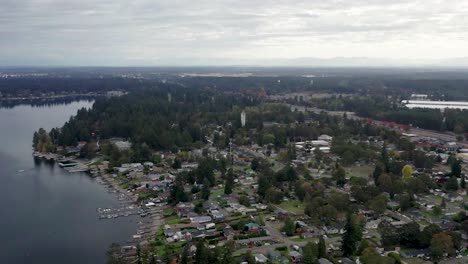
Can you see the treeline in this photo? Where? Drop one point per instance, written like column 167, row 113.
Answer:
column 39, row 86
column 381, row 108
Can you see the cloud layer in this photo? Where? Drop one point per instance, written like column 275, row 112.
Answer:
column 149, row 32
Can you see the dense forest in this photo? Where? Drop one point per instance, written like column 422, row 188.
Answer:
column 172, row 117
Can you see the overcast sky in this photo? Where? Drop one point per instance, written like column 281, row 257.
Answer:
column 162, row 32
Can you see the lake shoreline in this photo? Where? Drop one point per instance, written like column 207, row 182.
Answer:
column 149, row 219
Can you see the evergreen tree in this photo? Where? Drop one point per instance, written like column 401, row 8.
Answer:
column 456, row 168
column 184, row 257
column 289, row 227
column 351, row 237
column 229, row 182
column 451, row 184
column 250, row 258
column 202, row 254
column 377, row 171
column 205, row 191
column 322, row 248
column 384, row 158
column 310, row 253
column 177, row 164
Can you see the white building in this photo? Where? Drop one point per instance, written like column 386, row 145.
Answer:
column 243, row 118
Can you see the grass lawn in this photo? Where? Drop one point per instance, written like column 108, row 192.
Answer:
column 362, row 171
column 301, row 239
column 173, row 220
column 297, row 239
column 215, row 193
column 169, row 211
column 294, row 206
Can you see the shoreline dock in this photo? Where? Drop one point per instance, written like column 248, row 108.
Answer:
column 151, row 219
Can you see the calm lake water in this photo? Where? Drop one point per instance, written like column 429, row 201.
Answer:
column 47, row 214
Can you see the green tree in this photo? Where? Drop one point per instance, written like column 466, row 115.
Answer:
column 451, row 184
column 456, row 168
column 427, row 233
column 339, row 175
column 384, row 157
column 378, row 170
column 310, row 253
column 202, row 254
column 456, row 239
column 229, row 182
column 378, row 204
column 437, row 210
column 406, row 201
column 244, row 200
column 290, row 174
column 250, row 259
column 205, row 191
column 177, row 164
column 274, row 195
column 441, row 243
column 385, row 183
column 322, row 248
column 389, row 234
column 352, row 236
column 254, row 164
column 289, row 227
column 409, row 234
column 157, row 159
column 264, row 184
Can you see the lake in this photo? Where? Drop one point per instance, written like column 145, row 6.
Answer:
column 47, row 214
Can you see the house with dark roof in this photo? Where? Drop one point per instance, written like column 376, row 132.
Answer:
column 183, row 209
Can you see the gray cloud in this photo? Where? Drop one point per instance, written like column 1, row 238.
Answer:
column 148, row 32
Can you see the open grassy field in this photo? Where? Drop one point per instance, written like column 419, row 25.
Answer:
column 362, row 171
column 294, row 206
